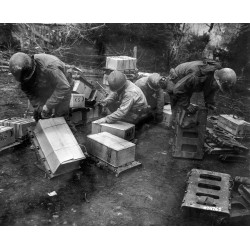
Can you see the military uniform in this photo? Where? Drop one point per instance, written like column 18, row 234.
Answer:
column 132, row 102
column 49, row 85
column 155, row 98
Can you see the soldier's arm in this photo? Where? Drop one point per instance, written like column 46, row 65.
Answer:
column 123, row 110
column 183, row 89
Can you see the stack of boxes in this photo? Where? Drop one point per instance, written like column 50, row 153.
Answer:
column 81, row 93
column 14, row 129
column 124, row 64
column 109, row 143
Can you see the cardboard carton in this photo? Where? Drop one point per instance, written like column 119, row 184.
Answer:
column 121, row 129
column 111, row 149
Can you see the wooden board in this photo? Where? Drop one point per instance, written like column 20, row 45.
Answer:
column 111, row 149
column 121, row 129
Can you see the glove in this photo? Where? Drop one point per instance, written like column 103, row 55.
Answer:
column 191, row 109
column 210, row 106
column 45, row 114
column 102, row 120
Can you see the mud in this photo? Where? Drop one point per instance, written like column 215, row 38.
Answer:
column 148, row 195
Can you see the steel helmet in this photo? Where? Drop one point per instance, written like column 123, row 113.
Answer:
column 116, row 80
column 21, row 66
column 153, row 81
column 225, row 78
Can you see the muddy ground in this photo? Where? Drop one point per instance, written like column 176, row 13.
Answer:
column 148, row 195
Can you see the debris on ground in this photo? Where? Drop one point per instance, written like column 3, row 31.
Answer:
column 53, row 193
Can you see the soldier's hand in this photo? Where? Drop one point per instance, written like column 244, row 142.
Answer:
column 191, row 109
column 45, row 114
column 102, row 120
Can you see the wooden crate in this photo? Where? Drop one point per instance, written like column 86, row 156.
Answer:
column 20, row 125
column 77, row 101
column 79, row 87
column 6, row 136
column 93, row 114
column 87, row 91
column 111, row 149
column 167, row 115
column 235, row 126
column 76, row 116
column 120, row 63
column 121, row 129
column 57, row 146
column 189, row 142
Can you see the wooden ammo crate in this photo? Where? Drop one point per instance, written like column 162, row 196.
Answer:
column 78, row 87
column 20, row 125
column 56, row 146
column 235, row 126
column 111, row 149
column 167, row 115
column 6, row 136
column 121, row 129
column 77, row 101
column 120, row 63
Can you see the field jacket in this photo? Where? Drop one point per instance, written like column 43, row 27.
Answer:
column 131, row 99
column 196, row 76
column 49, row 84
column 154, row 98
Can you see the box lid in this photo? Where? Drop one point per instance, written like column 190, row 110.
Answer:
column 111, row 141
column 118, row 125
column 232, row 119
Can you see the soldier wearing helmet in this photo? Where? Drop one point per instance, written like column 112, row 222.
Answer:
column 133, row 103
column 43, row 79
column 197, row 76
column 151, row 88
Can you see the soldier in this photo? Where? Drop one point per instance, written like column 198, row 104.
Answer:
column 43, row 79
column 154, row 94
column 133, row 103
column 197, row 76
